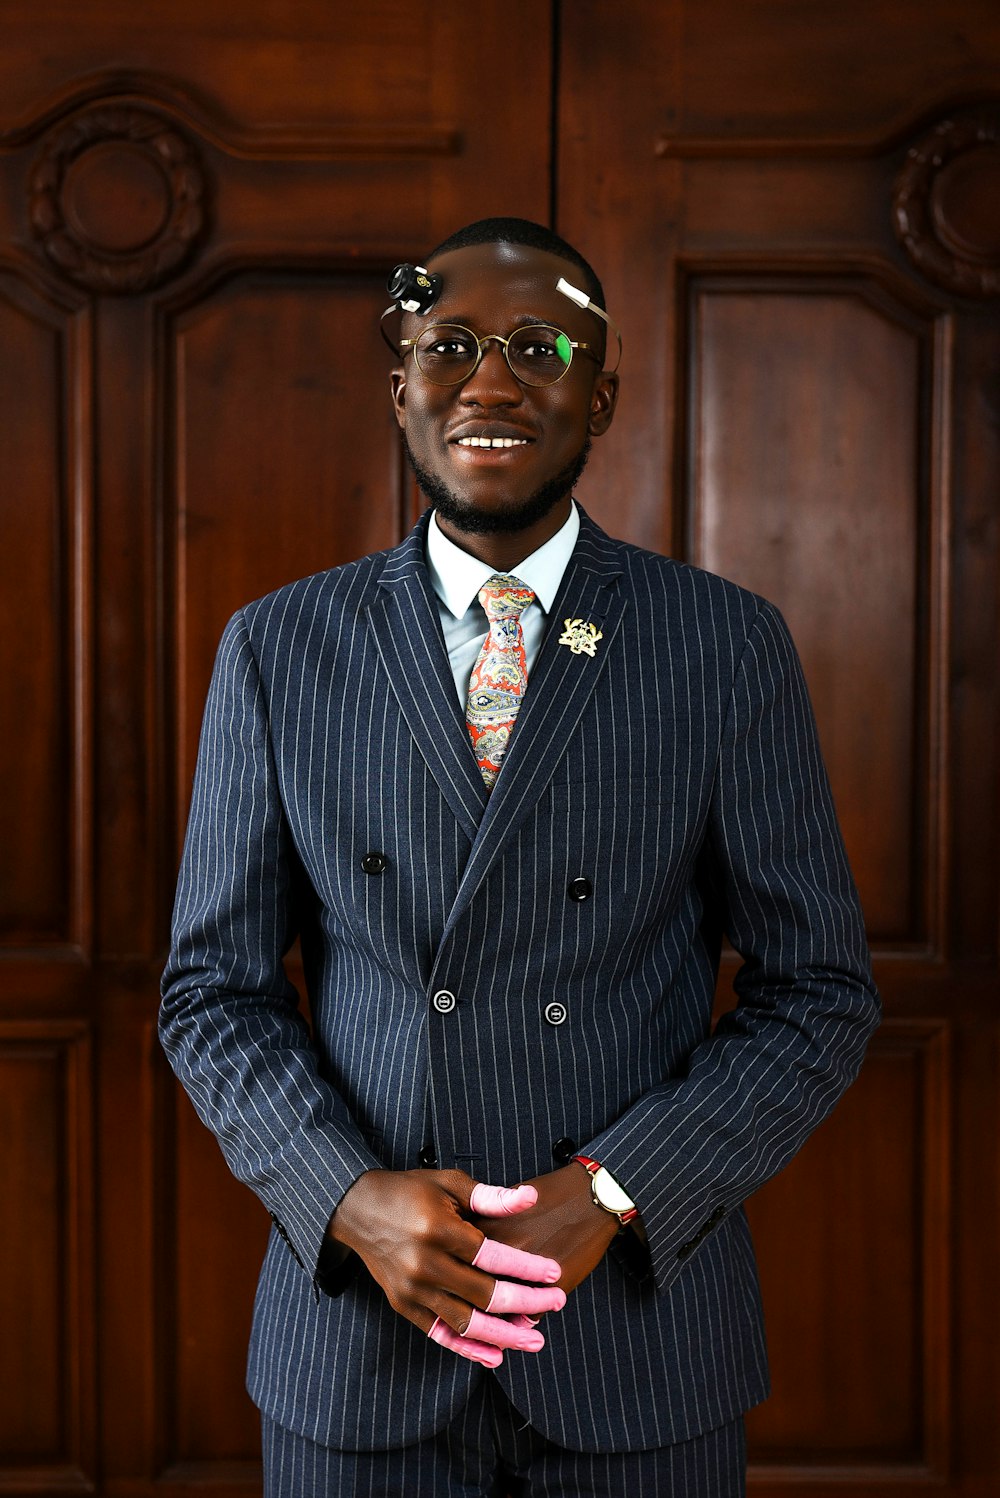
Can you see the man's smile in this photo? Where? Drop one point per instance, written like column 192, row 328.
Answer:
column 478, row 439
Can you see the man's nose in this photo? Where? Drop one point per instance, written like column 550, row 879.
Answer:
column 492, row 382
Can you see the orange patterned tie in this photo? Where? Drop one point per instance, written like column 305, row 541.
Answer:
column 500, row 675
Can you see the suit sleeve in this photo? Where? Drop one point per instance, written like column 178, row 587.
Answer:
column 692, row 1149
column 229, row 1017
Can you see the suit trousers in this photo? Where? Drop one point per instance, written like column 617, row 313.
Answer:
column 488, row 1451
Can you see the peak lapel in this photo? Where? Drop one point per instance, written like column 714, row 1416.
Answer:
column 406, row 626
column 559, row 688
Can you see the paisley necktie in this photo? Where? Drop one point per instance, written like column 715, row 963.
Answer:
column 500, row 675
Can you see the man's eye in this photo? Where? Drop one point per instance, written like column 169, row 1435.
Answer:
column 448, row 348
column 538, row 348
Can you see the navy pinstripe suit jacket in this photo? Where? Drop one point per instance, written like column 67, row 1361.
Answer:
column 678, row 771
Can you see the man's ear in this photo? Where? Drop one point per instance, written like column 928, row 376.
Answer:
column 397, row 384
column 602, row 404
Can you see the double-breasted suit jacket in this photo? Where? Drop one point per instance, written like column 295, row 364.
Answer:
column 465, row 999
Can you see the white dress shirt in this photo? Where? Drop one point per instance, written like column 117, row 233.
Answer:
column 457, row 578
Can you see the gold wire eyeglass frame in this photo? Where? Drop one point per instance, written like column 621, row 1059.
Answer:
column 411, row 343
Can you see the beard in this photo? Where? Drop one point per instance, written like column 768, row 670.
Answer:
column 507, row 519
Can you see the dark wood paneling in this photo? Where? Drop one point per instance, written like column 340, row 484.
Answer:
column 809, row 405
column 43, row 502
column 46, row 1265
column 284, row 452
column 739, row 162
column 883, row 1160
column 207, row 1315
column 808, row 462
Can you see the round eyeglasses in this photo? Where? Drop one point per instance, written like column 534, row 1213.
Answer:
column 447, row 354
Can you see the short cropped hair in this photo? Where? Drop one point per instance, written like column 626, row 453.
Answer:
column 523, row 231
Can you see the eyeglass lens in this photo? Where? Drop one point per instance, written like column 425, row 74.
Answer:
column 448, row 354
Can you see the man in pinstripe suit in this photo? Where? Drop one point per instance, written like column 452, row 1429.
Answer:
column 511, row 974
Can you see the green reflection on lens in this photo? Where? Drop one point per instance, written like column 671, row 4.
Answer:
column 564, row 348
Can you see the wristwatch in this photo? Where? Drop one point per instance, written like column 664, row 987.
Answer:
column 607, row 1193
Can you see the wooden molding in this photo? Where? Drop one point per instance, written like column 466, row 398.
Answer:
column 187, row 110
column 845, row 145
column 116, row 199
column 939, row 198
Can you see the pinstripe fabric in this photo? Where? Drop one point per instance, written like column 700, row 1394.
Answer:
column 678, row 770
column 488, row 1452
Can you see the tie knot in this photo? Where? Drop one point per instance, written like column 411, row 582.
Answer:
column 504, row 598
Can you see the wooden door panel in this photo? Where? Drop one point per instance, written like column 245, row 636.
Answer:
column 808, row 468
column 218, row 1244
column 283, row 449
column 881, row 1160
column 41, row 750
column 808, row 298
column 47, row 1353
column 198, row 211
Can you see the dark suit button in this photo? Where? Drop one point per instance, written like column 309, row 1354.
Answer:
column 579, row 889
column 374, row 863
column 563, row 1151
column 427, row 1156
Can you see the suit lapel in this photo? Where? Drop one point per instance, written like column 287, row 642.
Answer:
column 406, row 625
column 559, row 688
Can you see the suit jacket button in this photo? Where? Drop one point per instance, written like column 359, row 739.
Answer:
column 579, row 889
column 563, row 1151
column 555, row 1013
column 427, row 1155
column 443, row 1001
column 374, row 863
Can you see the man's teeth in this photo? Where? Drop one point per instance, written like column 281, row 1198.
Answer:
column 492, row 441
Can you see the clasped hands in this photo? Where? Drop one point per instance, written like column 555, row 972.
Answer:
column 472, row 1265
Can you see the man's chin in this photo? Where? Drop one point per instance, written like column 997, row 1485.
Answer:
column 505, row 520
column 465, row 516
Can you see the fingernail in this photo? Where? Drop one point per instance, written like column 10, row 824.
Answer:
column 533, row 1344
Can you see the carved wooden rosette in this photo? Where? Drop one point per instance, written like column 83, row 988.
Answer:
column 945, row 203
column 117, row 199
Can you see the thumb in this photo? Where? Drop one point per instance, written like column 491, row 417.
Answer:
column 501, row 1201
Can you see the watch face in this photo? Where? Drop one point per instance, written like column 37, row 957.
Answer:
column 610, row 1194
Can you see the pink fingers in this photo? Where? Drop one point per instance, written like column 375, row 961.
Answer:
column 497, row 1332
column 508, row 1297
column 501, row 1201
column 466, row 1347
column 500, row 1258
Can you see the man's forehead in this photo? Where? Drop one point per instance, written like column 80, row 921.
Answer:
column 509, row 271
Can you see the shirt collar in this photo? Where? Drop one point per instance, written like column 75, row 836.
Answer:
column 457, row 577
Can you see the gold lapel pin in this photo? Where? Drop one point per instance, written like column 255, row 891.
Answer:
column 581, row 636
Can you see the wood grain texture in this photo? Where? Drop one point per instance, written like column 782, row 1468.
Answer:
column 806, row 410
column 801, row 405
column 808, row 456
column 47, row 1364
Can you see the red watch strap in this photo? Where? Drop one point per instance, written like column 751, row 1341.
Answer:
column 592, row 1167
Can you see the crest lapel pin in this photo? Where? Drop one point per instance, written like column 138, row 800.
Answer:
column 581, row 636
